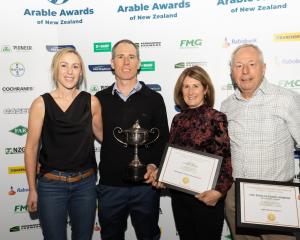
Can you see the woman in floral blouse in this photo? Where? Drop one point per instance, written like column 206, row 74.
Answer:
column 200, row 127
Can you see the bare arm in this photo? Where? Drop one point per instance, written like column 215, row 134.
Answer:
column 35, row 123
column 97, row 118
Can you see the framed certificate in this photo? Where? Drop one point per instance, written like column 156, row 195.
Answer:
column 188, row 170
column 267, row 205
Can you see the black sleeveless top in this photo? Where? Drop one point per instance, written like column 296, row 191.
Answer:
column 67, row 137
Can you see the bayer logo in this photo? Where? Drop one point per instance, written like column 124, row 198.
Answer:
column 58, row 2
column 17, row 69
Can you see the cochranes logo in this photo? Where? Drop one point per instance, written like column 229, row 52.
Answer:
column 287, row 37
column 16, row 170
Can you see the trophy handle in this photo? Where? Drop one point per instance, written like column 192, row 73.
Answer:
column 153, row 130
column 119, row 130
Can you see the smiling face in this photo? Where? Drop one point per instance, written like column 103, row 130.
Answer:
column 125, row 62
column 247, row 70
column 193, row 92
column 69, row 71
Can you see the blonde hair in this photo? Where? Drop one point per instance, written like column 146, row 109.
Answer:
column 55, row 66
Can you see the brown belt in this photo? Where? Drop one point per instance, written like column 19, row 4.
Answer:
column 69, row 179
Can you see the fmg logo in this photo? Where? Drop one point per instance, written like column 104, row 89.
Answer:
column 191, row 43
column 21, row 209
column 292, row 84
column 58, row 2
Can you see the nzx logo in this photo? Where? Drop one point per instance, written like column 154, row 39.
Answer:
column 58, row 2
column 191, row 43
column 14, row 150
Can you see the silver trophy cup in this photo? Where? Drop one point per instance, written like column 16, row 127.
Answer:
column 135, row 136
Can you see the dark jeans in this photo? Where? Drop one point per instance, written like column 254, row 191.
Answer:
column 117, row 203
column 57, row 200
column 196, row 220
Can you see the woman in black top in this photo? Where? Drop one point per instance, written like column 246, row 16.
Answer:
column 64, row 121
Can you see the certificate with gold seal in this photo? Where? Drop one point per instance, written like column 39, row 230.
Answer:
column 189, row 170
column 267, row 205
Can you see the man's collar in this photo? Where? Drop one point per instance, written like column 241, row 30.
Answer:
column 136, row 88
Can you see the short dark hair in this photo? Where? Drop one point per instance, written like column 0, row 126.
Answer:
column 113, row 51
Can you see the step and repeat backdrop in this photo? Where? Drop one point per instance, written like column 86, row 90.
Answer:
column 171, row 34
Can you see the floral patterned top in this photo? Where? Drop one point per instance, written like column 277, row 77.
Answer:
column 205, row 129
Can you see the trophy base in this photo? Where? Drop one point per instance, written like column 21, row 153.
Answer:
column 135, row 173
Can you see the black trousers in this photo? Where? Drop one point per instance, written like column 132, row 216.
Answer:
column 195, row 220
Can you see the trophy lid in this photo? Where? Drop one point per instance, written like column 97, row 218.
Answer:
column 137, row 128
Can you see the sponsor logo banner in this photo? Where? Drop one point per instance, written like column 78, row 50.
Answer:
column 102, row 47
column 148, row 66
column 287, row 37
column 15, row 110
column 19, row 130
column 14, row 150
column 16, row 170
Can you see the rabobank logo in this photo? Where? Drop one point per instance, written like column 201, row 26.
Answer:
column 238, row 41
column 11, row 192
column 17, row 69
column 290, row 61
column 55, row 48
column 287, row 37
column 97, row 228
column 148, row 66
column 100, row 68
column 14, row 191
column 58, row 2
